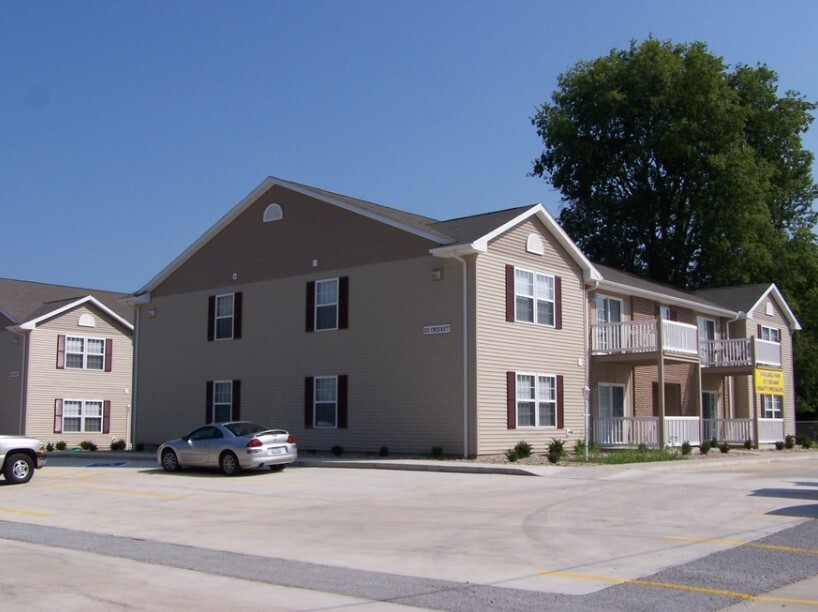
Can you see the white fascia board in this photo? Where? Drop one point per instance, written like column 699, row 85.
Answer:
column 666, row 299
column 788, row 313
column 136, row 299
column 457, row 250
column 33, row 323
column 539, row 211
column 249, row 200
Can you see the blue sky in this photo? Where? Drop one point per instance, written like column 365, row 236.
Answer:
column 128, row 128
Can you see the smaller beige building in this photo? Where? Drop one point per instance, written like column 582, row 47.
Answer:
column 66, row 363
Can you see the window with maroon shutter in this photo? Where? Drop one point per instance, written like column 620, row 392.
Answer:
column 106, row 416
column 58, row 416
column 327, row 304
column 109, row 355
column 235, row 413
column 325, row 402
column 560, row 403
column 511, row 400
column 238, row 300
column 510, row 294
column 211, row 318
column 532, row 297
column 209, row 402
column 533, row 400
column 309, row 388
column 60, row 353
column 343, row 384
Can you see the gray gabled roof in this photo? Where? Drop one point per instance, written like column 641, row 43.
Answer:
column 746, row 298
column 25, row 301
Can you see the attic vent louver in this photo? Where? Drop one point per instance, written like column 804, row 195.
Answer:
column 273, row 213
column 534, row 245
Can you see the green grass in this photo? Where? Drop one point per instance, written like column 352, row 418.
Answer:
column 631, row 455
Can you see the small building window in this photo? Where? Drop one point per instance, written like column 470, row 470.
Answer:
column 273, row 212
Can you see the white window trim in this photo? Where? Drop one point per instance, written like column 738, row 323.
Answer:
column 85, row 342
column 769, row 329
column 83, row 416
column 609, row 385
column 216, row 404
column 217, row 317
column 336, row 303
column 537, row 400
column 535, row 299
column 772, row 403
column 316, row 402
column 608, row 298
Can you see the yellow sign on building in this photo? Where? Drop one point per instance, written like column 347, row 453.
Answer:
column 769, row 382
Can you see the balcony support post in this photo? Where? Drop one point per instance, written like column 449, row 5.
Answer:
column 660, row 391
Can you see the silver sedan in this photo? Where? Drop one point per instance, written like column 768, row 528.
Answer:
column 230, row 447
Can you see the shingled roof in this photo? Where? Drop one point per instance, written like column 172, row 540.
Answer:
column 22, row 301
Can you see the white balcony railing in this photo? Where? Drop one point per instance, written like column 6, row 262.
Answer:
column 633, row 431
column 770, row 430
column 731, row 353
column 641, row 337
column 732, row 431
column 682, row 429
column 768, row 353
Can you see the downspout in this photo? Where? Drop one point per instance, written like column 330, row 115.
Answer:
column 135, row 375
column 588, row 349
column 465, row 357
column 23, row 383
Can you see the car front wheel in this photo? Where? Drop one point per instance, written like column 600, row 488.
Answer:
column 19, row 469
column 229, row 464
column 170, row 462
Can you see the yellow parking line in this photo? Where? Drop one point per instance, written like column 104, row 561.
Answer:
column 122, row 491
column 793, row 549
column 682, row 587
column 25, row 512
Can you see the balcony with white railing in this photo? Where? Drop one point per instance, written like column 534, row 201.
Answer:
column 739, row 353
column 633, row 337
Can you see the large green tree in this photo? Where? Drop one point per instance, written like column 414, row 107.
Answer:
column 674, row 166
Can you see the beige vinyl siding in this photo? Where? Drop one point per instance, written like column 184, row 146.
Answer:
column 404, row 386
column 47, row 383
column 522, row 347
column 310, row 231
column 12, row 370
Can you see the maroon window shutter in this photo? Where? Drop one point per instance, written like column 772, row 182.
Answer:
column 311, row 306
column 560, row 403
column 760, row 333
column 343, row 383
column 237, row 301
column 236, row 400
column 509, row 293
column 308, row 401
column 511, row 400
column 209, row 402
column 343, row 302
column 211, row 317
column 109, row 355
column 60, row 355
column 58, row 416
column 106, row 416
column 674, row 316
column 558, row 302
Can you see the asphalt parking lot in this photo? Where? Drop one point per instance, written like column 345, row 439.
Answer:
column 698, row 534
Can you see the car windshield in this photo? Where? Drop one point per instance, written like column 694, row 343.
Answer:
column 245, row 429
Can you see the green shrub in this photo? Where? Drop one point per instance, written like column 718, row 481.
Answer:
column 384, row 452
column 88, row 445
column 554, row 456
column 117, row 444
column 337, row 450
column 49, row 447
column 556, row 447
column 523, row 449
column 60, row 445
column 779, row 445
column 579, row 449
column 437, row 452
column 789, row 442
column 806, row 442
column 512, row 455
column 642, row 448
column 705, row 448
column 686, row 448
column 748, row 444
column 724, row 447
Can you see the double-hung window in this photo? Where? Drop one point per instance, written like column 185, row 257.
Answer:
column 223, row 401
column 533, row 297
column 534, row 400
column 224, row 316
column 772, row 406
column 82, row 416
column 325, row 402
column 771, row 334
column 328, row 304
column 81, row 353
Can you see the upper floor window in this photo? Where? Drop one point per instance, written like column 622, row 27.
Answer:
column 533, row 297
column 82, row 353
column 328, row 304
column 224, row 316
column 772, row 334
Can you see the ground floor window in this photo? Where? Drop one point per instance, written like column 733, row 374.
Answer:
column 536, row 400
column 611, row 401
column 771, row 406
column 325, row 402
column 81, row 416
